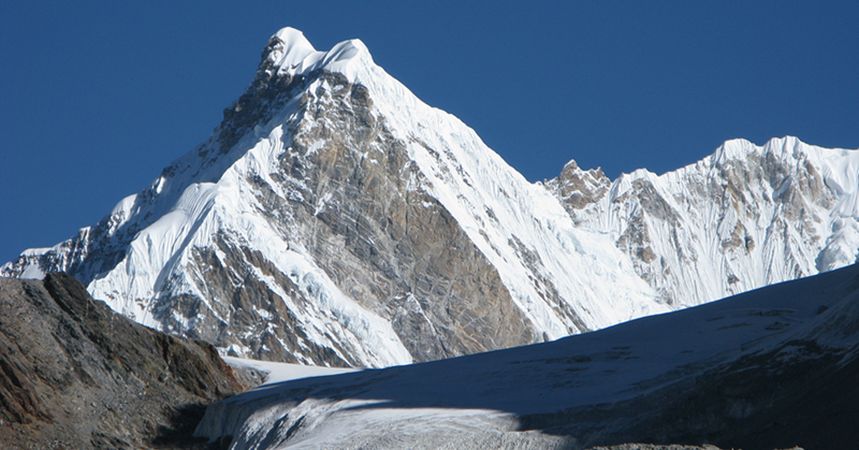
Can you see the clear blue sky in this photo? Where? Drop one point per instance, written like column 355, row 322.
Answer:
column 95, row 98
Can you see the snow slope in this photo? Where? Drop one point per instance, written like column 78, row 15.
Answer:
column 276, row 372
column 704, row 374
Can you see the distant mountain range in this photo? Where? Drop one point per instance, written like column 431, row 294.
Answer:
column 333, row 218
column 744, row 217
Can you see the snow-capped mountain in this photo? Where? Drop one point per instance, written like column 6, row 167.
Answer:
column 333, row 218
column 771, row 368
column 744, row 217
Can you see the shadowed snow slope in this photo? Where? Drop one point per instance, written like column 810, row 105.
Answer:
column 770, row 368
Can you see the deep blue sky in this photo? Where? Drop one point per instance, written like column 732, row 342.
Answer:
column 95, row 98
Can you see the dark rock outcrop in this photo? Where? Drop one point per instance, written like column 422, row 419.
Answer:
column 74, row 374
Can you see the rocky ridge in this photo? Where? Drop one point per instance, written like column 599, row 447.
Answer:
column 74, row 374
column 744, row 217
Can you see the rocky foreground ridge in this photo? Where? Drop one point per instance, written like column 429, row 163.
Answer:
column 75, row 374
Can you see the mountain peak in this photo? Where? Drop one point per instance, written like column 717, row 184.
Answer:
column 785, row 147
column 290, row 52
column 289, row 35
column 288, row 47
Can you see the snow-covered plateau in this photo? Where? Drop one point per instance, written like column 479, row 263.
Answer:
column 770, row 368
column 335, row 219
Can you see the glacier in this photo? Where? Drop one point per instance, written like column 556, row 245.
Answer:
column 770, row 368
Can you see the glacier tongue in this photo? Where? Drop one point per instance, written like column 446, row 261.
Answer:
column 333, row 218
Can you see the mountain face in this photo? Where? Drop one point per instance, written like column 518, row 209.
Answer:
column 744, row 217
column 74, row 374
column 335, row 219
column 771, row 368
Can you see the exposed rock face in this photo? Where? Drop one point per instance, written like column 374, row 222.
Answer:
column 335, row 219
column 577, row 188
column 74, row 374
column 744, row 217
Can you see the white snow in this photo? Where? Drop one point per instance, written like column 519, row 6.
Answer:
column 692, row 264
column 279, row 372
column 32, row 272
column 295, row 55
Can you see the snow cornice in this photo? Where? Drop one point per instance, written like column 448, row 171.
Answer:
column 290, row 53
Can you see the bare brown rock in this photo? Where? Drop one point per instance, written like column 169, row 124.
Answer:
column 74, row 374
